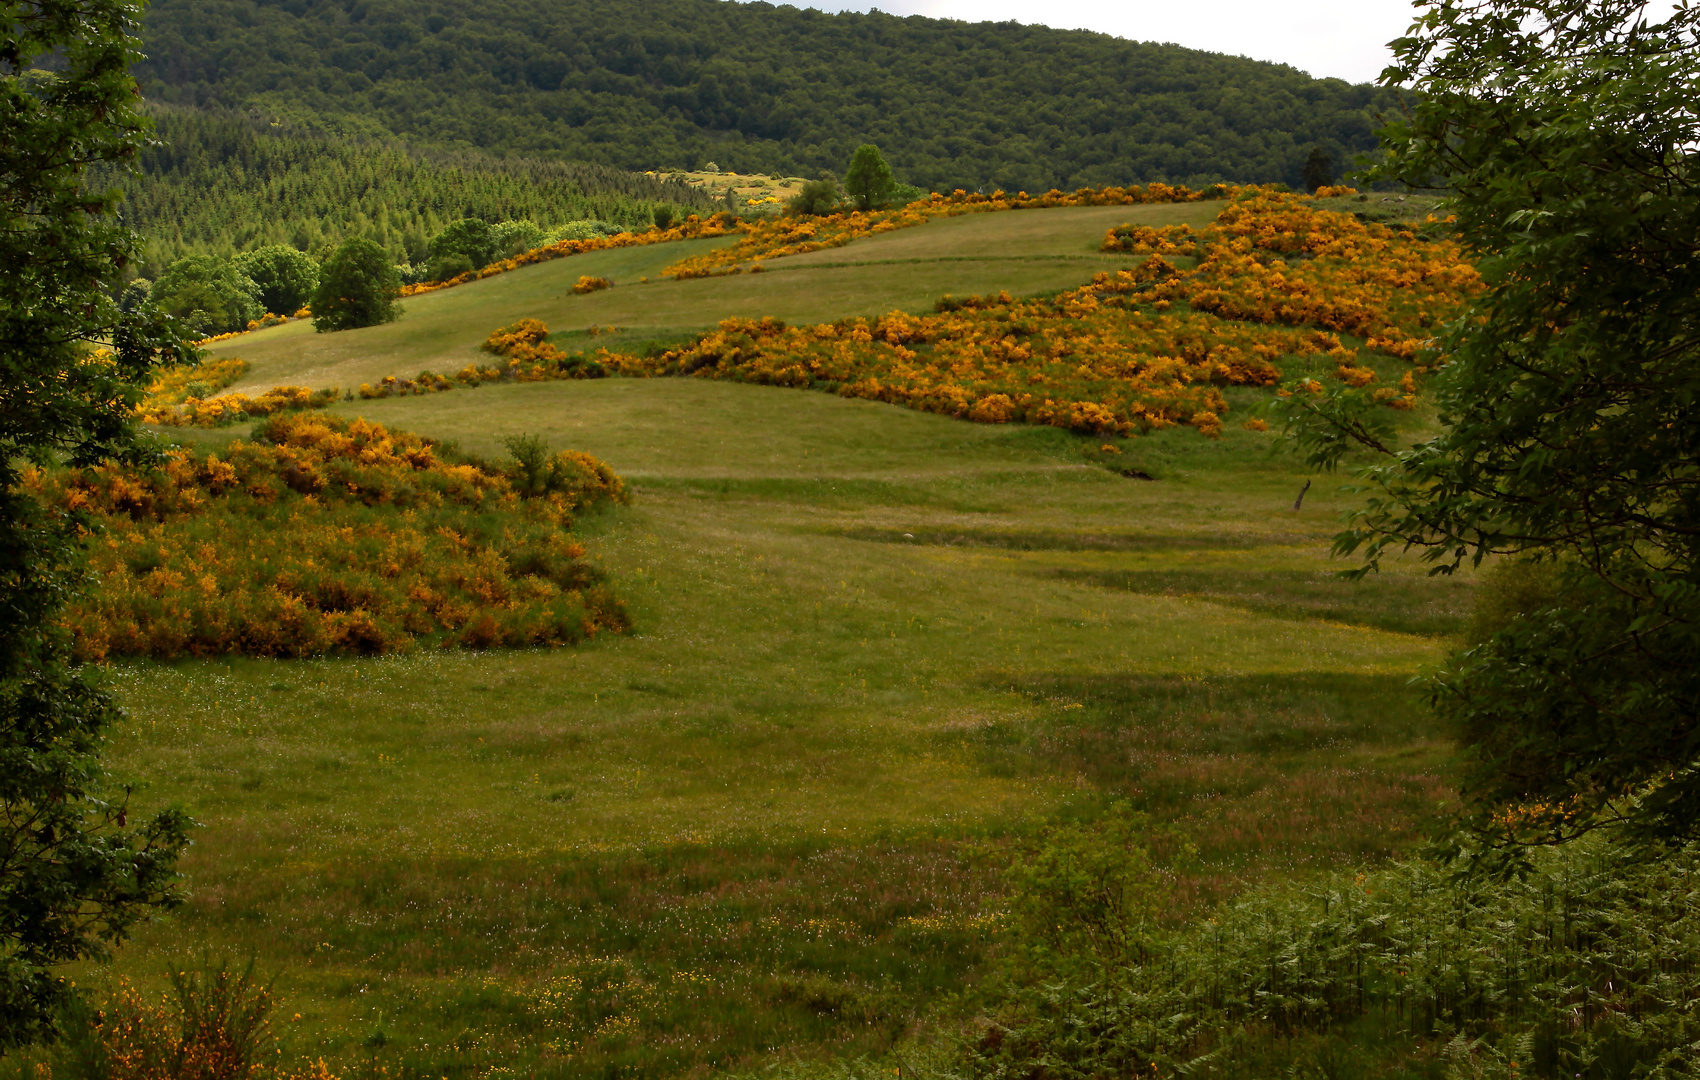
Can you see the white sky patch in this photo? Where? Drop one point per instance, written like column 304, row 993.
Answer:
column 1327, row 38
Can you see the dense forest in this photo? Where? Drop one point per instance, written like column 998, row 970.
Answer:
column 218, row 184
column 652, row 84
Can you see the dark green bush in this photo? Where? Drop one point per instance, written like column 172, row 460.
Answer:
column 448, row 267
column 358, row 286
column 209, row 294
column 285, row 277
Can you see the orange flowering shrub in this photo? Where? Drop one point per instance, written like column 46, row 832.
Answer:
column 328, row 535
column 524, row 342
column 1146, row 240
column 182, row 396
column 691, row 228
column 1147, row 347
column 172, row 385
column 530, row 356
column 795, row 236
column 527, row 361
column 1119, row 355
column 588, row 284
column 235, row 407
column 1083, row 361
column 215, row 1026
column 268, row 319
column 1276, row 258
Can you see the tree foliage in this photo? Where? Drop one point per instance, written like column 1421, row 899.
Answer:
column 1568, row 398
column 467, row 237
column 1319, row 169
column 760, row 88
column 868, row 180
column 284, row 277
column 208, row 294
column 75, row 873
column 219, row 183
column 814, row 198
column 358, row 286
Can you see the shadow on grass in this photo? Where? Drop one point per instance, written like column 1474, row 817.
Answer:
column 825, row 491
column 1405, row 604
column 1061, row 540
column 1313, row 767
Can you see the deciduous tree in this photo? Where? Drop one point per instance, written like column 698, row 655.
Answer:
column 1569, row 404
column 868, row 181
column 358, row 286
column 75, row 870
column 1319, row 168
column 814, row 198
column 209, row 294
column 469, row 237
column 284, row 277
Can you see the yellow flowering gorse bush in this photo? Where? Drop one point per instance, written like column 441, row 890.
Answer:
column 329, row 535
column 796, row 236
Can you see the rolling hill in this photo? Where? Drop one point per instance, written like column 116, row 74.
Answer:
column 867, row 642
column 673, row 83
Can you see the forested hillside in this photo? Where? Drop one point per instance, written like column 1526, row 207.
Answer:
column 674, row 83
column 220, row 184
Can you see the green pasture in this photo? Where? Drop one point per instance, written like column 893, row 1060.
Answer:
column 1028, row 252
column 873, row 649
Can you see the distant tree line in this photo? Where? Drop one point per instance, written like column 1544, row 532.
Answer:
column 758, row 88
column 217, row 184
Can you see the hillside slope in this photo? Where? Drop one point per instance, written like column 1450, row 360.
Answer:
column 1031, row 252
column 673, row 83
column 219, row 183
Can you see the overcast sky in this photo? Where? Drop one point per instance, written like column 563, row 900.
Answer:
column 1328, row 38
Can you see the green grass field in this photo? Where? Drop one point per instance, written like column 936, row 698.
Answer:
column 871, row 646
column 1026, row 252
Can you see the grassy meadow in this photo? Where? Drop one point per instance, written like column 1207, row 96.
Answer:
column 1028, row 252
column 872, row 649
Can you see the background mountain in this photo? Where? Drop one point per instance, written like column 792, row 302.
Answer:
column 644, row 84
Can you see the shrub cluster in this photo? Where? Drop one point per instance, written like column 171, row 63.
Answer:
column 1076, row 362
column 328, row 535
column 690, row 228
column 529, row 355
column 1275, row 258
column 237, row 407
column 1118, row 355
column 1588, row 965
column 797, row 235
column 1137, row 350
column 180, row 382
column 212, row 1024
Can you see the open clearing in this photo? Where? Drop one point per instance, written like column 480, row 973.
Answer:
column 1027, row 252
column 869, row 643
